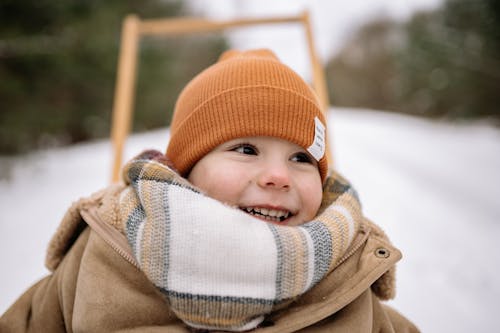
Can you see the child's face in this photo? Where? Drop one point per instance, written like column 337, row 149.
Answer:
column 270, row 178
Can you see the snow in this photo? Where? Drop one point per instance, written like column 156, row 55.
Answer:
column 432, row 186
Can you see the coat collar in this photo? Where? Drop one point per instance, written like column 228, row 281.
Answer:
column 370, row 264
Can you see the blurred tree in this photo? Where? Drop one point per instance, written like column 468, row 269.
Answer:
column 451, row 64
column 364, row 72
column 441, row 63
column 58, row 67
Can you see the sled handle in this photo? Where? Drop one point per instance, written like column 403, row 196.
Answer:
column 134, row 28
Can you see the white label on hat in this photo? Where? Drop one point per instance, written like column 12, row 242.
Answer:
column 317, row 149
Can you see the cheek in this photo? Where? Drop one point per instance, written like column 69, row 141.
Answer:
column 223, row 184
column 312, row 196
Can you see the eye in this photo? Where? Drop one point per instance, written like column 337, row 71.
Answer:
column 302, row 158
column 245, row 149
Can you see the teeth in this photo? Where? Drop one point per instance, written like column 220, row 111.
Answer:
column 268, row 214
column 277, row 213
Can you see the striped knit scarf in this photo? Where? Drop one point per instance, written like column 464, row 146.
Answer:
column 219, row 267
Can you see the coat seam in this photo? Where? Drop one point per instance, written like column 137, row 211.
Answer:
column 109, row 234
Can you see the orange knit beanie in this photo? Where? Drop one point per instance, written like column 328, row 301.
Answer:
column 245, row 94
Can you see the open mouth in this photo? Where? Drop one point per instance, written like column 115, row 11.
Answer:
column 271, row 215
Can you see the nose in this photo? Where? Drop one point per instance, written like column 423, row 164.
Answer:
column 276, row 176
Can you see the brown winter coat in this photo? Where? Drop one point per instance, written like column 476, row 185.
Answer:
column 95, row 286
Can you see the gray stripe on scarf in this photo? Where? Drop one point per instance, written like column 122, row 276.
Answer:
column 218, row 298
column 167, row 235
column 132, row 226
column 279, row 266
column 323, row 246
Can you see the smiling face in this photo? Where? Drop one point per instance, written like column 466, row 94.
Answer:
column 269, row 178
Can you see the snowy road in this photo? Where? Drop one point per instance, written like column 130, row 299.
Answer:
column 433, row 187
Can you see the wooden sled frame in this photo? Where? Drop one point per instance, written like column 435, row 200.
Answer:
column 134, row 28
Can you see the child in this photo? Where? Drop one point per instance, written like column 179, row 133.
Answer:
column 240, row 226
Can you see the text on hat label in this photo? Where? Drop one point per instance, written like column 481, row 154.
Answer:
column 317, row 149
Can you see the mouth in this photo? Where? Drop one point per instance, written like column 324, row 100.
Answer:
column 268, row 215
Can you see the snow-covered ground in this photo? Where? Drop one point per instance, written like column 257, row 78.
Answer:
column 433, row 187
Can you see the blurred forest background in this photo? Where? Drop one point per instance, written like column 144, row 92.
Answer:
column 443, row 63
column 58, row 67
column 58, row 62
